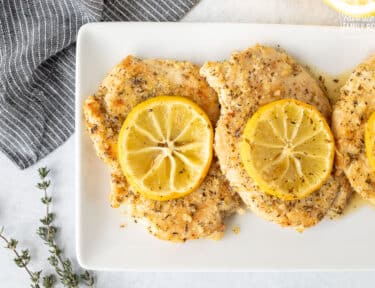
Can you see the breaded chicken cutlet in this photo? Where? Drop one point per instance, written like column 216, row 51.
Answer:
column 245, row 82
column 350, row 115
column 197, row 215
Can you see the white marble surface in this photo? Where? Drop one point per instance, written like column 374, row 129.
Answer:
column 20, row 207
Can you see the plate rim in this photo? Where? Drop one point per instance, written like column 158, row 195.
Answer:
column 86, row 28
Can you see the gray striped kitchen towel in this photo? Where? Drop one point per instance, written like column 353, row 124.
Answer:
column 37, row 65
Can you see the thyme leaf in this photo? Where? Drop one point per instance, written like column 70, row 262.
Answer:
column 64, row 272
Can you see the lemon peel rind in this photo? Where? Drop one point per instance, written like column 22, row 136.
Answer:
column 360, row 11
column 157, row 195
column 369, row 140
column 253, row 173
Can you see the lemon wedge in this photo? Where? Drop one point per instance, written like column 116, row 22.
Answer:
column 165, row 147
column 355, row 8
column 287, row 148
column 370, row 140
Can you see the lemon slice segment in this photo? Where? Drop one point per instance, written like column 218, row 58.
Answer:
column 165, row 147
column 370, row 140
column 355, row 8
column 287, row 148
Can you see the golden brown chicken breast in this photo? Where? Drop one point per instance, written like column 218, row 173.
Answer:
column 350, row 115
column 198, row 215
column 246, row 81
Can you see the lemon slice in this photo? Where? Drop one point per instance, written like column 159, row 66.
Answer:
column 355, row 8
column 370, row 140
column 165, row 147
column 287, row 148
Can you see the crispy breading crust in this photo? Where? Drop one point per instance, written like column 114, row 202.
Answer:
column 198, row 215
column 350, row 115
column 248, row 80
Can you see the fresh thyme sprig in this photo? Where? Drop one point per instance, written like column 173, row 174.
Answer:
column 22, row 260
column 47, row 233
column 63, row 267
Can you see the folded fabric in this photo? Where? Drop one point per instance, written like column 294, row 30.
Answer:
column 37, row 65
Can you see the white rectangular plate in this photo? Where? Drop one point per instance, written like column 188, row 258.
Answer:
column 346, row 243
